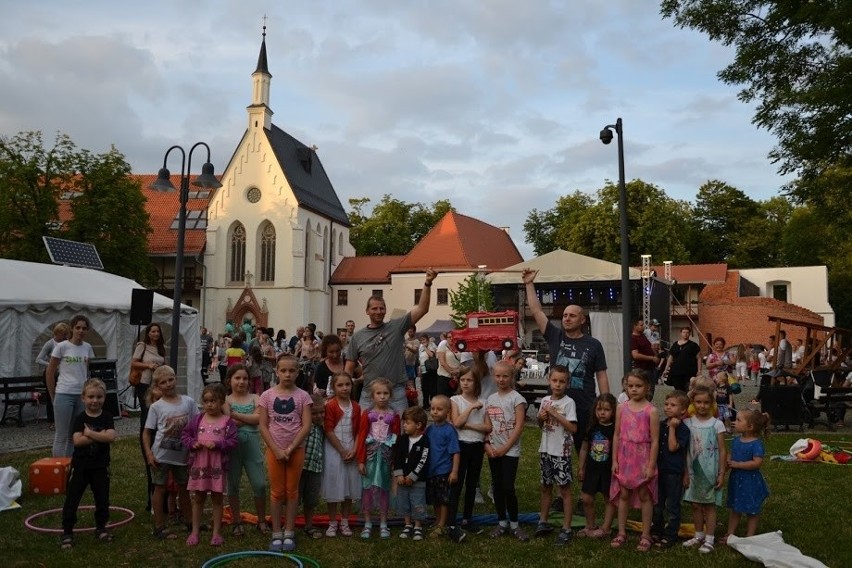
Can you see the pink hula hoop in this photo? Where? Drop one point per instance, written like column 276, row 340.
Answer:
column 28, row 522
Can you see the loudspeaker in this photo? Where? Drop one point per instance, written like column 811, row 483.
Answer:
column 141, row 306
column 112, row 405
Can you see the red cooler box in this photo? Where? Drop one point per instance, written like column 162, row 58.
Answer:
column 48, row 476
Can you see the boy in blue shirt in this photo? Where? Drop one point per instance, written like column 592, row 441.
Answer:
column 671, row 463
column 443, row 467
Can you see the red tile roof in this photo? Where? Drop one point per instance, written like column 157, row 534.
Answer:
column 162, row 208
column 461, row 243
column 694, row 273
column 365, row 270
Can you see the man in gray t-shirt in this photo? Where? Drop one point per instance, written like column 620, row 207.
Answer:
column 378, row 347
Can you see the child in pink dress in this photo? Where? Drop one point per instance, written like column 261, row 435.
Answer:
column 209, row 437
column 634, row 463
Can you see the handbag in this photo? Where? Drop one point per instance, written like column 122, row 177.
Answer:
column 431, row 365
column 135, row 376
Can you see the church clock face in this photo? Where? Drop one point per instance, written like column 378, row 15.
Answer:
column 253, row 195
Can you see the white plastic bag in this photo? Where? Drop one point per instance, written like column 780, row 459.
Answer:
column 10, row 486
column 771, row 550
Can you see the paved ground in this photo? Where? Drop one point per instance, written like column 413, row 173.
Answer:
column 37, row 435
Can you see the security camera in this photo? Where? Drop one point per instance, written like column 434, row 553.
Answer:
column 606, row 135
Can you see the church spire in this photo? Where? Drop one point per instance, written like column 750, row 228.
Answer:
column 262, row 66
column 259, row 112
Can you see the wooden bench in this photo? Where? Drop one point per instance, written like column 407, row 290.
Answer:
column 18, row 392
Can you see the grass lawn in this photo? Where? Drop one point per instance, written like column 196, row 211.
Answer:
column 810, row 503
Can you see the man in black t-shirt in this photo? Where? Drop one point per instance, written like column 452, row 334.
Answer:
column 581, row 354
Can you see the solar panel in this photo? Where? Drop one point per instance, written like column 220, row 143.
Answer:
column 72, row 253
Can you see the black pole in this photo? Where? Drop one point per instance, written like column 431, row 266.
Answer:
column 626, row 300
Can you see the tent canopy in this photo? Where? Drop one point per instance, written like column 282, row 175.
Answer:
column 33, row 297
column 438, row 327
column 563, row 266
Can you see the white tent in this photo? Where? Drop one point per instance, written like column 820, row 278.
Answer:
column 563, row 266
column 34, row 297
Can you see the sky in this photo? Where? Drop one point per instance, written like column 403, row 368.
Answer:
column 495, row 105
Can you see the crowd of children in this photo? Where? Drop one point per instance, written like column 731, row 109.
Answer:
column 335, row 450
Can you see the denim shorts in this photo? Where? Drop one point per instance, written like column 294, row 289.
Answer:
column 160, row 474
column 411, row 501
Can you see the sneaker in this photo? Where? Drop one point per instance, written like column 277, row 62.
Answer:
column 706, row 548
column 345, row 530
column 520, row 534
column 471, row 528
column 564, row 537
column 478, row 498
column 418, row 534
column 366, row 532
column 542, row 529
column 693, row 542
column 331, row 531
column 437, row 532
column 289, row 544
column 384, row 532
column 498, row 531
column 407, row 530
column 456, row 534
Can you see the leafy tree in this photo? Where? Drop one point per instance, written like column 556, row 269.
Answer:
column 794, row 59
column 657, row 224
column 557, row 227
column 107, row 207
column 393, row 226
column 474, row 294
column 32, row 179
column 722, row 214
column 104, row 187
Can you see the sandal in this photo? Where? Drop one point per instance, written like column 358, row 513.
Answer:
column 289, row 544
column 66, row 542
column 366, row 532
column 588, row 532
column 644, row 544
column 217, row 540
column 237, row 530
column 706, row 548
column 104, row 535
column 600, row 532
column 163, row 533
column 192, row 540
column 664, row 543
column 618, row 541
column 313, row 532
column 276, row 545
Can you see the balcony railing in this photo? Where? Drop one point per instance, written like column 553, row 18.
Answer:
column 166, row 285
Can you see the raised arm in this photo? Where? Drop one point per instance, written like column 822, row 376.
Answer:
column 422, row 306
column 528, row 276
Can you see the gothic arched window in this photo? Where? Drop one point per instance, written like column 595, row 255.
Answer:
column 238, row 253
column 267, row 253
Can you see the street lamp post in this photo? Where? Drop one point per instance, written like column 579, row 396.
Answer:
column 164, row 183
column 626, row 324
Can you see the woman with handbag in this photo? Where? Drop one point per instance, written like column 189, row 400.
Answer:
column 148, row 354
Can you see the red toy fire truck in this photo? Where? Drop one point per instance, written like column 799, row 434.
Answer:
column 488, row 331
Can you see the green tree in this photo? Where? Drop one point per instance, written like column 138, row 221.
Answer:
column 657, row 224
column 107, row 208
column 104, row 187
column 473, row 294
column 557, row 227
column 794, row 59
column 393, row 226
column 32, row 179
column 722, row 214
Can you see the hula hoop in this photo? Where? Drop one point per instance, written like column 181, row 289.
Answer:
column 28, row 521
column 223, row 559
